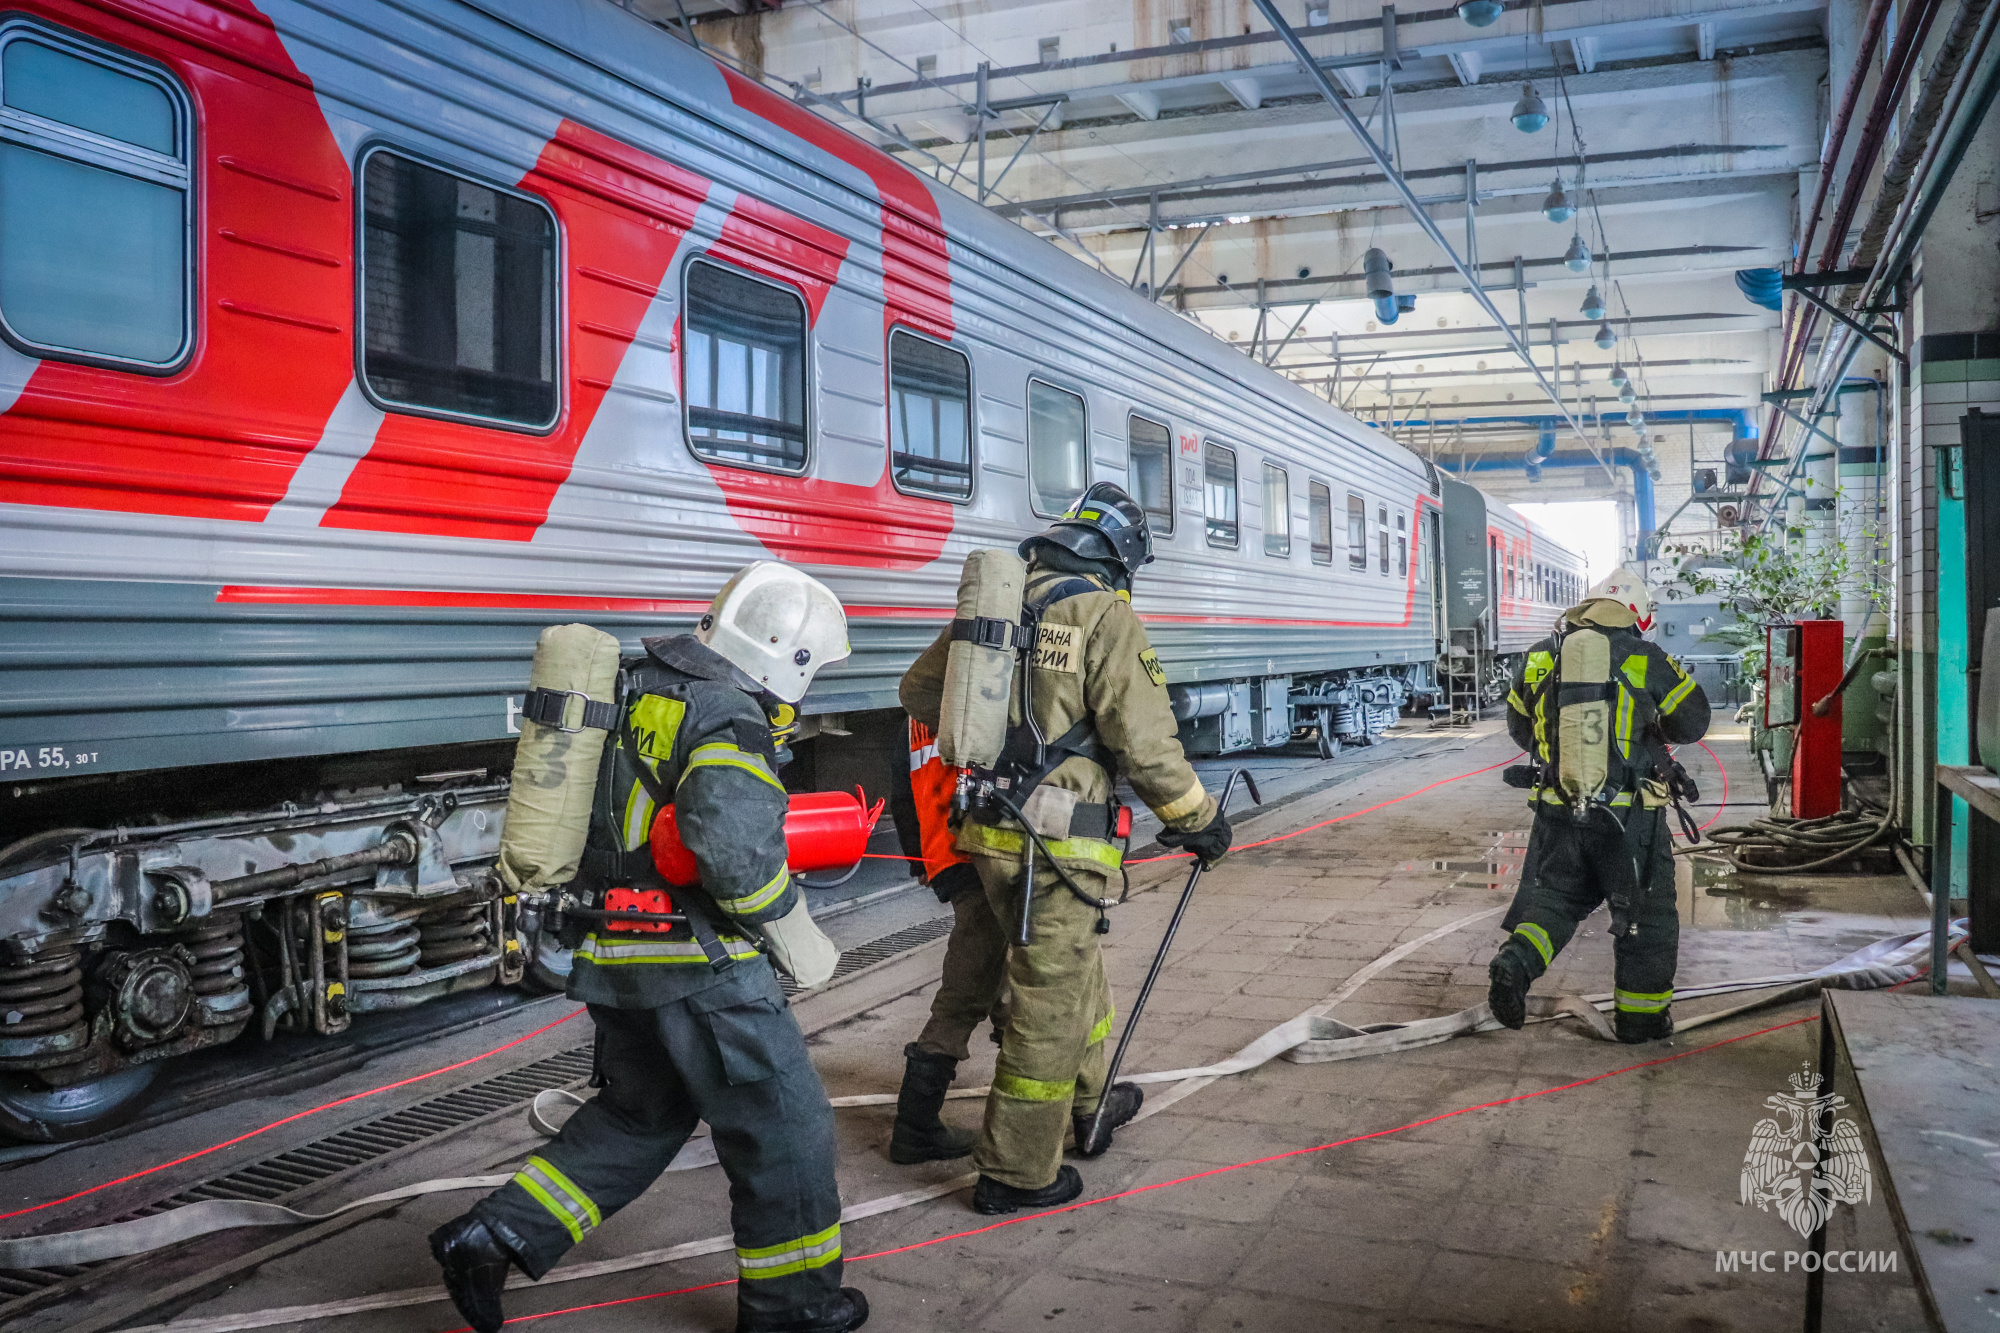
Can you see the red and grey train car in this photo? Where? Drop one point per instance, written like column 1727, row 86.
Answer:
column 342, row 347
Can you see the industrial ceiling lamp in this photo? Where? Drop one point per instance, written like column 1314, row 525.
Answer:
column 1593, row 304
column 1606, row 339
column 1577, row 258
column 1481, row 13
column 1626, row 393
column 1556, row 207
column 1618, row 375
column 1635, row 418
column 1530, row 113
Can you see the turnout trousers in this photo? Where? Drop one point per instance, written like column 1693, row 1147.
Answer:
column 974, row 973
column 1052, row 1054
column 731, row 1055
column 1568, row 871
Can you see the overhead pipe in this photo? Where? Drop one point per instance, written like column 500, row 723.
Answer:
column 1889, row 95
column 1971, row 95
column 1543, row 455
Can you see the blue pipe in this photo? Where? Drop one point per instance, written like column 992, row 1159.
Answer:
column 1542, row 454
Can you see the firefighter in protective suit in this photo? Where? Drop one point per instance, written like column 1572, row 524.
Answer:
column 971, row 981
column 1099, row 697
column 691, row 1023
column 1595, row 706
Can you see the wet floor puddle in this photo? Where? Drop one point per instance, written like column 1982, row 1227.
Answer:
column 1715, row 896
column 1499, row 868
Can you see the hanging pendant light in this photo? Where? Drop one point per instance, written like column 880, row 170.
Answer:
column 1593, row 304
column 1605, row 339
column 1618, row 375
column 1556, row 206
column 1530, row 113
column 1635, row 418
column 1481, row 13
column 1626, row 393
column 1577, row 258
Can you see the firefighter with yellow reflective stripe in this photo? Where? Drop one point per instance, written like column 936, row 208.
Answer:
column 1099, row 698
column 1595, row 706
column 691, row 1022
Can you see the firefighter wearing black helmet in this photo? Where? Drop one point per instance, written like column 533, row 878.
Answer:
column 1099, row 698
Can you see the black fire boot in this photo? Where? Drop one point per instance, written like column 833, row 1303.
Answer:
column 842, row 1314
column 919, row 1135
column 1636, row 1028
column 1508, row 993
column 991, row 1197
column 1124, row 1100
column 475, row 1266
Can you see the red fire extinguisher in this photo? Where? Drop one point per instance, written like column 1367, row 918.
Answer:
column 824, row 830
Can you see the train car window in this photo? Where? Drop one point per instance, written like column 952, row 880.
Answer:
column 930, row 417
column 1357, row 532
column 96, row 190
column 1218, row 494
column 1058, row 457
column 743, row 369
column 1277, row 511
column 1402, row 547
column 1150, row 469
column 1382, row 536
column 1319, row 499
column 458, row 295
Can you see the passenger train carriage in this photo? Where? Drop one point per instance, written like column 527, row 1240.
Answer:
column 343, row 347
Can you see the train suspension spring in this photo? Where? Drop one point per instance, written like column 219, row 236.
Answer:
column 221, row 990
column 42, row 998
column 449, row 934
column 388, row 948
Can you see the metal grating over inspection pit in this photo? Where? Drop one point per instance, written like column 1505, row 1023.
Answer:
column 276, row 1177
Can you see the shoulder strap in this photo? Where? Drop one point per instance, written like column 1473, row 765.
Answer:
column 702, row 912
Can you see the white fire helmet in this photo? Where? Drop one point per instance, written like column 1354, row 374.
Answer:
column 778, row 625
column 1626, row 590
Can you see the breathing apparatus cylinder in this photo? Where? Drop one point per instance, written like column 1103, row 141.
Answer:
column 555, row 768
column 979, row 667
column 824, row 830
column 1583, row 728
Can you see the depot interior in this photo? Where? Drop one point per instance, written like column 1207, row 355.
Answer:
column 1711, row 289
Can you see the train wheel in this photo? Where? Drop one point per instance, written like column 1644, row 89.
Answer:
column 31, row 1112
column 1328, row 747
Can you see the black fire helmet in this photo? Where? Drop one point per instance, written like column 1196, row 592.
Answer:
column 1105, row 524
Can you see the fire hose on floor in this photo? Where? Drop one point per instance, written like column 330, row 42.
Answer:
column 1777, row 845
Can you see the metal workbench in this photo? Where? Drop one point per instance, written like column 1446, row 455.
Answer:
column 1923, row 1077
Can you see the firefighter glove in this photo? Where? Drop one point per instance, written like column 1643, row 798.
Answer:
column 1211, row 844
column 800, row 947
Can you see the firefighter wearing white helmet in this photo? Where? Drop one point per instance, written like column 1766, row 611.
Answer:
column 1596, row 706
column 691, row 1022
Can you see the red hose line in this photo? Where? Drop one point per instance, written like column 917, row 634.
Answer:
column 1199, row 1175
column 299, row 1115
column 1724, row 805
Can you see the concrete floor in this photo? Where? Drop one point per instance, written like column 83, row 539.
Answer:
column 1595, row 1207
